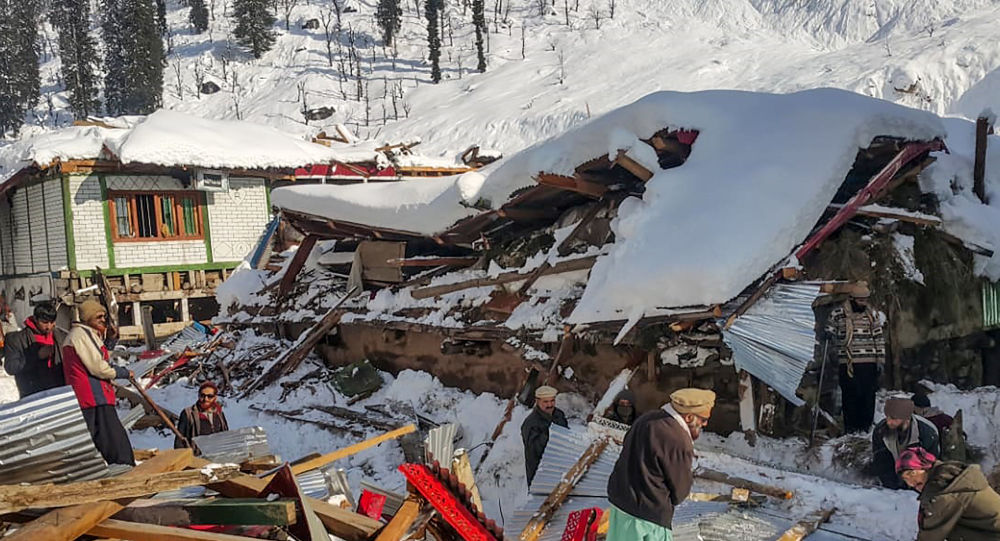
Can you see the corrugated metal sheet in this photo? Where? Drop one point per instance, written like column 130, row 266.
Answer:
column 393, row 500
column 440, row 444
column 234, row 446
column 564, row 449
column 323, row 483
column 775, row 339
column 991, row 304
column 132, row 416
column 189, row 337
column 44, row 439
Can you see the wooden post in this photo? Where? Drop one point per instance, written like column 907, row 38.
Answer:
column 298, row 260
column 148, row 334
column 748, row 421
column 185, row 310
column 979, row 167
column 401, row 521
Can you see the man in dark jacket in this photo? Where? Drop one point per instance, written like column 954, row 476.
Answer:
column 956, row 501
column 535, row 428
column 29, row 354
column 653, row 473
column 623, row 408
column 86, row 367
column 203, row 418
column 901, row 429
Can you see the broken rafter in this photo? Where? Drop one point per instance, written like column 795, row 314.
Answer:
column 298, row 260
column 582, row 263
column 218, row 511
column 401, row 521
column 528, row 214
column 120, row 529
column 807, row 526
column 573, row 184
column 902, row 215
column 433, row 261
column 632, row 166
column 323, row 460
column 760, row 488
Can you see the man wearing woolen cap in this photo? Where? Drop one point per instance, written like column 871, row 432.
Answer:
column 535, row 428
column 653, row 473
column 900, row 430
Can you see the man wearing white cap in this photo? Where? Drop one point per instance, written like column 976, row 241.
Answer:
column 535, row 428
column 653, row 473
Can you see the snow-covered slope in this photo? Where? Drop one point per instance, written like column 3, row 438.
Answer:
column 939, row 55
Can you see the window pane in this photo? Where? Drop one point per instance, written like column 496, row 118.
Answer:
column 121, row 217
column 146, row 215
column 169, row 227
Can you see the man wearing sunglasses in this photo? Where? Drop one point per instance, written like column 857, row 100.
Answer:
column 87, row 370
column 204, row 417
column 653, row 473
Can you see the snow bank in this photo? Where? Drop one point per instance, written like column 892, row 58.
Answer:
column 73, row 143
column 171, row 138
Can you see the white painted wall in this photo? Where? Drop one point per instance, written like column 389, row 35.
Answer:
column 88, row 222
column 32, row 229
column 237, row 218
column 158, row 253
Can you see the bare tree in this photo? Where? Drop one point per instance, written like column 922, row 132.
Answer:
column 566, row 10
column 180, row 82
column 199, row 79
column 612, row 4
column 561, row 56
column 595, row 13
column 522, row 40
column 286, row 10
column 326, row 18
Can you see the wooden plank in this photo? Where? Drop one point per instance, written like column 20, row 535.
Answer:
column 432, row 261
column 350, row 450
column 221, row 511
column 134, row 531
column 807, row 526
column 578, row 185
column 632, row 166
column 401, row 521
column 507, row 277
column 555, row 499
column 748, row 418
column 345, row 524
column 68, row 523
column 902, row 215
column 17, row 497
column 298, row 260
column 527, row 214
column 721, row 477
column 979, row 166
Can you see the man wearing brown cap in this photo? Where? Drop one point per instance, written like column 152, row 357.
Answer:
column 86, row 367
column 901, row 429
column 535, row 428
column 653, row 473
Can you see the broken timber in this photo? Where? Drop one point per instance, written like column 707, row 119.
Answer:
column 807, row 526
column 218, row 511
column 18, row 497
column 401, row 521
column 760, row 488
column 582, row 263
column 323, row 460
column 554, row 501
column 432, row 261
column 573, row 184
column 298, row 260
column 134, row 531
column 902, row 215
column 340, row 522
column 633, row 166
column 68, row 523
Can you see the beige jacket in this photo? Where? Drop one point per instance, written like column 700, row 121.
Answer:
column 86, row 341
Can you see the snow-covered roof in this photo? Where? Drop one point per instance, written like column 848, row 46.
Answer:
column 170, row 138
column 760, row 175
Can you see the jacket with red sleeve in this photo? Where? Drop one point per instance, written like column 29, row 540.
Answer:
column 86, row 367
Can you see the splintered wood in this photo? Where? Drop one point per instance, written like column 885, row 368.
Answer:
column 559, row 494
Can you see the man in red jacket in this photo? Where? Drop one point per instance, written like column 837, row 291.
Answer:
column 29, row 354
column 86, row 367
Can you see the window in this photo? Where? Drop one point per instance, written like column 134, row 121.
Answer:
column 151, row 216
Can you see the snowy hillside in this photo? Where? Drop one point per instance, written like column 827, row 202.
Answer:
column 935, row 55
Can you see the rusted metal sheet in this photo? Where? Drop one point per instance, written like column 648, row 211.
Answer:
column 44, row 439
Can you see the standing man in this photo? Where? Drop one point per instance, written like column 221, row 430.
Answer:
column 86, row 367
column 535, row 428
column 30, row 354
column 856, row 330
column 203, row 418
column 653, row 473
column 901, row 429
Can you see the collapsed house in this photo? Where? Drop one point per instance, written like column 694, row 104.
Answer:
column 164, row 206
column 686, row 239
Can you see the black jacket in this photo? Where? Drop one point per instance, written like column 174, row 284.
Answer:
column 623, row 417
column 886, row 448
column 535, row 435
column 32, row 373
column 191, row 424
column 653, row 473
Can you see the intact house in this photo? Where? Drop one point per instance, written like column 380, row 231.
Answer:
column 668, row 243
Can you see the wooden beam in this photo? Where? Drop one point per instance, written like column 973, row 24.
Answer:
column 401, row 521
column 979, row 166
column 298, row 260
column 519, row 214
column 632, row 166
column 807, row 526
column 721, row 477
column 221, row 511
column 579, row 185
column 433, row 261
column 17, row 497
column 68, row 523
column 507, row 277
column 350, row 450
column 554, row 501
column 345, row 524
column 896, row 214
column 134, row 531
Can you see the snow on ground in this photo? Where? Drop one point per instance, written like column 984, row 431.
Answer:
column 8, row 389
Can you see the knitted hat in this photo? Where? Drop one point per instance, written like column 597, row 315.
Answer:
column 697, row 401
column 920, row 400
column 898, row 408
column 915, row 458
column 91, row 309
column 545, row 392
column 208, row 385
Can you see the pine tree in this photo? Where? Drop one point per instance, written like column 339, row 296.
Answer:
column 253, row 25
column 198, row 15
column 161, row 16
column 479, row 21
column 133, row 57
column 19, row 79
column 431, row 8
column 78, row 54
column 389, row 16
